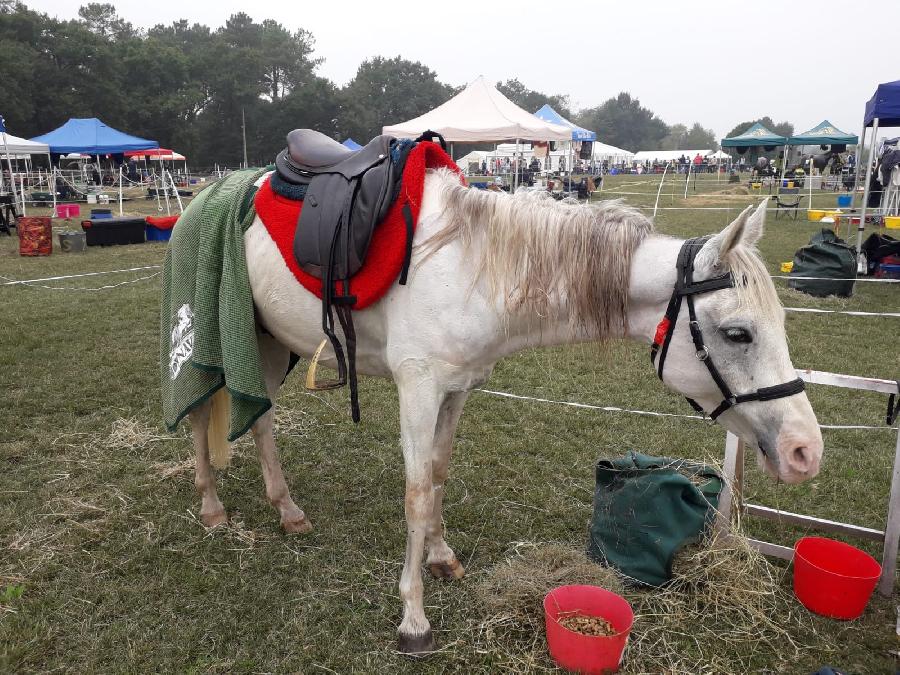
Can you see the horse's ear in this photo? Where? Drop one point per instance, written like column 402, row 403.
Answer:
column 746, row 230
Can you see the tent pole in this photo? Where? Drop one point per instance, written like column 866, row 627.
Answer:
column 121, row 213
column 516, row 168
column 12, row 180
column 53, row 185
column 175, row 189
column 784, row 160
column 860, row 269
column 860, row 147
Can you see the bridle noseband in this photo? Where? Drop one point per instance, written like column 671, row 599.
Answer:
column 686, row 287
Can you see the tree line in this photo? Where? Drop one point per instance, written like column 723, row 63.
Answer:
column 189, row 87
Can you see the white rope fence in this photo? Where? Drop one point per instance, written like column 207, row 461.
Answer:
column 649, row 413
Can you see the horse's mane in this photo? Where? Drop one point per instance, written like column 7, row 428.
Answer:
column 534, row 250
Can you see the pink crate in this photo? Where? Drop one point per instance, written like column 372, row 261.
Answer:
column 68, row 210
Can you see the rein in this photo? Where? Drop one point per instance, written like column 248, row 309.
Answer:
column 685, row 289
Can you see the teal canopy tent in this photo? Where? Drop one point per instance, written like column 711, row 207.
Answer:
column 757, row 135
column 824, row 133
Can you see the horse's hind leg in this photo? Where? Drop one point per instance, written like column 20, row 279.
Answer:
column 212, row 512
column 441, row 560
column 275, row 359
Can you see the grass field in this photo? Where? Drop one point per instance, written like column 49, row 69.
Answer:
column 104, row 566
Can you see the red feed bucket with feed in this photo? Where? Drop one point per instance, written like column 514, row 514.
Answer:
column 832, row 578
column 587, row 653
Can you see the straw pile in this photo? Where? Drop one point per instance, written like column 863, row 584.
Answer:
column 722, row 593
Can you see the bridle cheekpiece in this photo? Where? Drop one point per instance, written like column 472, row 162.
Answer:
column 685, row 289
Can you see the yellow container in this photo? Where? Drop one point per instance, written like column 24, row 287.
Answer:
column 787, row 267
column 790, row 185
column 815, row 216
column 892, row 222
column 755, row 186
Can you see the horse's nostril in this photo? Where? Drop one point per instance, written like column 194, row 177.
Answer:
column 800, row 458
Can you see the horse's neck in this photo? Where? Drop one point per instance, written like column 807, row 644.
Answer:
column 650, row 286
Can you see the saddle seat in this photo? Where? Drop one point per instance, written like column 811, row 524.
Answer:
column 313, row 150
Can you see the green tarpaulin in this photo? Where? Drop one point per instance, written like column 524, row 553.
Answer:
column 646, row 509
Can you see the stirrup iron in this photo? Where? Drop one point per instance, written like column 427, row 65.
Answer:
column 311, row 384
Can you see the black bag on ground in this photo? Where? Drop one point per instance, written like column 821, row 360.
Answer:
column 646, row 509
column 879, row 246
column 825, row 256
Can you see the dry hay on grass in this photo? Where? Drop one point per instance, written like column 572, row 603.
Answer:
column 130, row 433
column 511, row 596
column 726, row 607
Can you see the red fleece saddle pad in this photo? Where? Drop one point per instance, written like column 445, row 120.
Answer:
column 388, row 246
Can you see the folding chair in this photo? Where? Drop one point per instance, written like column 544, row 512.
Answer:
column 789, row 206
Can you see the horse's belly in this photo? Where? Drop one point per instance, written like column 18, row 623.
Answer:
column 293, row 315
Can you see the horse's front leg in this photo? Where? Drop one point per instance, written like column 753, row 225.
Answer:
column 441, row 560
column 420, row 402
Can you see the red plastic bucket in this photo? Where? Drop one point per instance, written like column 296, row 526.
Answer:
column 587, row 653
column 832, row 578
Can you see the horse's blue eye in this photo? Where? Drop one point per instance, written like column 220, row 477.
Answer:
column 737, row 335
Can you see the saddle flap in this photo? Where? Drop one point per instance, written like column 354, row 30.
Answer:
column 338, row 218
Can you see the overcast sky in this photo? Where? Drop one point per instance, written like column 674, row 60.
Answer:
column 716, row 62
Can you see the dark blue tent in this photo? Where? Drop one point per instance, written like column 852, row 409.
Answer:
column 90, row 136
column 884, row 106
column 350, row 143
column 548, row 114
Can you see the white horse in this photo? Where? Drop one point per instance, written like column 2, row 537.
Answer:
column 493, row 274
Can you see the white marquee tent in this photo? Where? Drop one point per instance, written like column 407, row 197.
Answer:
column 668, row 155
column 480, row 113
column 602, row 151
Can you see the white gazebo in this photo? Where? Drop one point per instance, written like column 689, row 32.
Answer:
column 477, row 114
column 12, row 148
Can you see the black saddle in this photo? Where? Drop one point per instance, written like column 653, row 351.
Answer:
column 347, row 194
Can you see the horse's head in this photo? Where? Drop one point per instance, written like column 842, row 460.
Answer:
column 738, row 338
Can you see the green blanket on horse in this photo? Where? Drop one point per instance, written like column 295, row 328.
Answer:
column 207, row 324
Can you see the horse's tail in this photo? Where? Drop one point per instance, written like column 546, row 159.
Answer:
column 217, row 431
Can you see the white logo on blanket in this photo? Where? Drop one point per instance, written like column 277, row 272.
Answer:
column 182, row 340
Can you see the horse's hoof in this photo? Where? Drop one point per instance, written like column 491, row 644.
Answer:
column 416, row 645
column 447, row 570
column 214, row 519
column 299, row 526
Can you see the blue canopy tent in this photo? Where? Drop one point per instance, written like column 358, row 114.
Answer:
column 883, row 109
column 548, row 114
column 90, row 136
column 351, row 144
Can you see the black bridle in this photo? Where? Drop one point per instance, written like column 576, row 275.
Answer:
column 686, row 287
